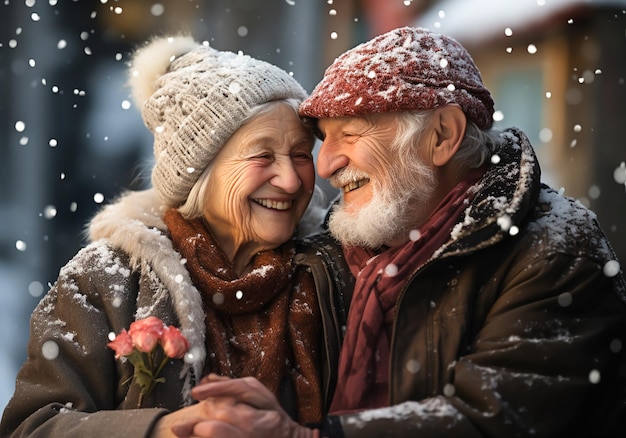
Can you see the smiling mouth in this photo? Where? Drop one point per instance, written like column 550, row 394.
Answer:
column 275, row 205
column 355, row 185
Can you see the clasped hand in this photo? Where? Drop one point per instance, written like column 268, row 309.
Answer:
column 230, row 408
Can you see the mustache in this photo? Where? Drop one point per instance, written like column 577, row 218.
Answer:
column 347, row 175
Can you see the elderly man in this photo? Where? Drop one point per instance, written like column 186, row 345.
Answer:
column 486, row 304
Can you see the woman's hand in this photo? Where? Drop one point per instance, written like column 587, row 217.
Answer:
column 231, row 408
column 182, row 423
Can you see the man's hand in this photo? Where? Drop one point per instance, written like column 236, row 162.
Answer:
column 246, row 390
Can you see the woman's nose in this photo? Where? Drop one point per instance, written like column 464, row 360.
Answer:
column 286, row 177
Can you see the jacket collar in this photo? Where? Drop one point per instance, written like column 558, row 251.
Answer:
column 504, row 196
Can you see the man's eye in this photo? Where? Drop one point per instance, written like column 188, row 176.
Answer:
column 349, row 137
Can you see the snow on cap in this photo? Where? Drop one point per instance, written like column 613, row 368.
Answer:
column 405, row 69
column 193, row 98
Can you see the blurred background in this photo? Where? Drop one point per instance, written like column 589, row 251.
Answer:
column 71, row 140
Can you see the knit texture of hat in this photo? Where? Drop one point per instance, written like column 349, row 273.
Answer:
column 193, row 98
column 405, row 69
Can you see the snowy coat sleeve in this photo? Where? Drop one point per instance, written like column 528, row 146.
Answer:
column 70, row 384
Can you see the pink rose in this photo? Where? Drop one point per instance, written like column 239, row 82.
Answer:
column 138, row 346
column 122, row 344
column 146, row 333
column 174, row 344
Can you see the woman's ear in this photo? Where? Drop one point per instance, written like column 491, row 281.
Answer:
column 449, row 123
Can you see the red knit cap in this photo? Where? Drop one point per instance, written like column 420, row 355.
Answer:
column 402, row 70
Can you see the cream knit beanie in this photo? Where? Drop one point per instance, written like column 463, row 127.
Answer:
column 193, row 98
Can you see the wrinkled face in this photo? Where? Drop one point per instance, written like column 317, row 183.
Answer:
column 261, row 182
column 380, row 193
column 355, row 157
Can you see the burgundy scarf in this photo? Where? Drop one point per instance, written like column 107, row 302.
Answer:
column 364, row 359
column 263, row 324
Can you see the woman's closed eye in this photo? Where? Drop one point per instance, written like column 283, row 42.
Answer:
column 262, row 156
column 302, row 157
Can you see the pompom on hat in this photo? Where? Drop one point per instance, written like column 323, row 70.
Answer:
column 406, row 69
column 193, row 98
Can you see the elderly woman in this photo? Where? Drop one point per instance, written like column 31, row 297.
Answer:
column 199, row 274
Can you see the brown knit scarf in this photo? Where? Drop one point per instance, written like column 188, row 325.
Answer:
column 263, row 324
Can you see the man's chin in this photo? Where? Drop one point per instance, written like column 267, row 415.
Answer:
column 367, row 227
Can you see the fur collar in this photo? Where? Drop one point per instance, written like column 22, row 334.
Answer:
column 134, row 224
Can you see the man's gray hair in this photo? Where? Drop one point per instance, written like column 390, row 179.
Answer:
column 475, row 150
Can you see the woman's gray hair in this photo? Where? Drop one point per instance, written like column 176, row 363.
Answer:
column 475, row 150
column 193, row 206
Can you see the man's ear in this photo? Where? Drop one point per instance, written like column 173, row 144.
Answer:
column 449, row 123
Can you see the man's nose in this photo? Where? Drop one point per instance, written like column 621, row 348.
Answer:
column 329, row 159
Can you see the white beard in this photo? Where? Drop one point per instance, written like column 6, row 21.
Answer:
column 390, row 214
